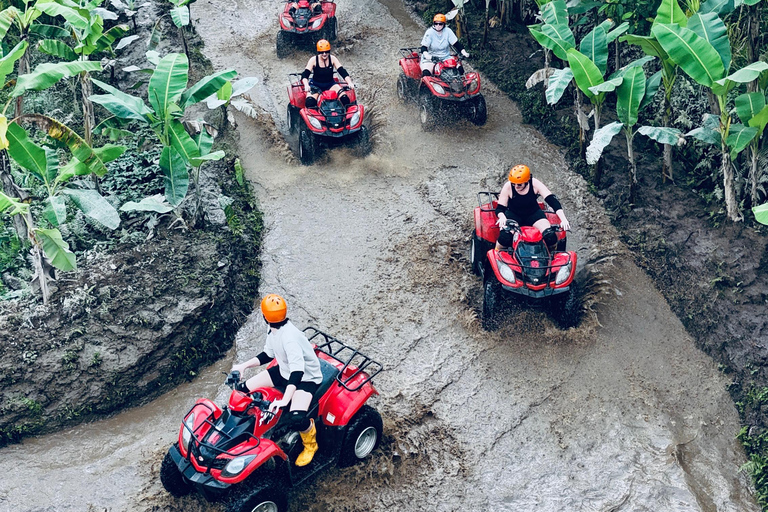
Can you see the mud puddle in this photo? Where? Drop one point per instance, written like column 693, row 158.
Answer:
column 622, row 413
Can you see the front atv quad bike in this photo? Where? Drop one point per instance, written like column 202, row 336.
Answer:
column 529, row 272
column 448, row 90
column 303, row 25
column 245, row 455
column 327, row 125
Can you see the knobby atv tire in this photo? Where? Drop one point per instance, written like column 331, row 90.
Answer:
column 359, row 441
column 476, row 254
column 426, row 111
column 478, row 111
column 491, row 300
column 282, row 45
column 402, row 87
column 330, row 30
column 292, row 118
column 307, row 148
column 172, row 479
column 565, row 309
column 363, row 145
column 265, row 496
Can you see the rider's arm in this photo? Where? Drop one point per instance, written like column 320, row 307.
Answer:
column 459, row 47
column 259, row 360
column 342, row 72
column 307, row 71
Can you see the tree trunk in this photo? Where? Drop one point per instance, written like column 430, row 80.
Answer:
column 753, row 147
column 666, row 168
column 617, row 60
column 753, row 32
column 40, row 278
column 598, row 173
column 582, row 131
column 89, row 120
column 11, row 190
column 485, row 28
column 23, row 69
column 632, row 167
column 547, row 62
column 731, row 205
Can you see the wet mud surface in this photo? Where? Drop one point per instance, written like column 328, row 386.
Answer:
column 621, row 413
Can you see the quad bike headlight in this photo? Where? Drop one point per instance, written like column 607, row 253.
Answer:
column 438, row 88
column 473, row 85
column 287, row 21
column 507, row 273
column 315, row 122
column 186, row 434
column 317, row 23
column 236, row 465
column 563, row 273
column 355, row 118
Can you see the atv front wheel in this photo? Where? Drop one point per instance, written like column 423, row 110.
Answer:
column 307, row 147
column 566, row 309
column 172, row 479
column 478, row 112
column 491, row 299
column 263, row 498
column 402, row 87
column 282, row 46
column 363, row 436
column 476, row 254
column 363, row 144
column 426, row 112
column 291, row 119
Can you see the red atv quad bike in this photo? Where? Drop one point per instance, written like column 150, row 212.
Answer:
column 447, row 90
column 245, row 455
column 329, row 124
column 527, row 272
column 306, row 25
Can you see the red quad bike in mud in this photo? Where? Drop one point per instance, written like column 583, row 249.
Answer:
column 527, row 271
column 444, row 91
column 328, row 124
column 245, row 455
column 305, row 24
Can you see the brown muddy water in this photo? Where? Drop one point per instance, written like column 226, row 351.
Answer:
column 622, row 413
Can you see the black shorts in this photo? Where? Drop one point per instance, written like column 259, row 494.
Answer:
column 281, row 382
column 505, row 237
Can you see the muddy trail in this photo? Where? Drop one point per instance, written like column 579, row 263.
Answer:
column 621, row 413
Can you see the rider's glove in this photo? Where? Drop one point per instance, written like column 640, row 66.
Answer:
column 465, row 53
column 426, row 55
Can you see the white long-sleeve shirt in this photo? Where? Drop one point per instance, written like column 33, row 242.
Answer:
column 294, row 353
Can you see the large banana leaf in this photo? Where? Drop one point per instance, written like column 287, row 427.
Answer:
column 56, row 210
column 47, row 74
column 663, row 134
column 585, row 72
column 749, row 104
column 93, row 204
column 57, row 48
column 744, row 75
column 56, row 249
column 670, row 12
column 651, row 88
column 205, row 87
column 120, row 104
column 176, row 175
column 555, row 13
column 561, row 31
column 557, row 84
column 613, row 34
column 203, row 141
column 8, row 62
column 104, row 43
column 706, row 135
column 761, row 213
column 26, row 153
column 608, row 85
column 595, row 47
column 649, row 44
column 11, row 205
column 181, row 141
column 154, row 203
column 692, row 53
column 600, row 140
column 48, row 31
column 74, row 17
column 180, row 16
column 629, row 95
column 243, row 85
column 739, row 137
column 710, row 27
column 168, row 82
column 557, row 45
column 717, row 6
column 6, row 19
column 760, row 120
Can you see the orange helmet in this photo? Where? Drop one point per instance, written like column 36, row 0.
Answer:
column 520, row 174
column 274, row 308
column 323, row 45
column 440, row 18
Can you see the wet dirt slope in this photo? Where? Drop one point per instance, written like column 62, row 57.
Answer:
column 624, row 414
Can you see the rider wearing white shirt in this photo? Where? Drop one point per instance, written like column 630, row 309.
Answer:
column 437, row 42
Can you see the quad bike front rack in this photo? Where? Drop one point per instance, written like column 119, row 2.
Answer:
column 346, row 355
column 485, row 201
column 408, row 52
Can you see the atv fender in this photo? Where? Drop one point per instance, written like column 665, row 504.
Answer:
column 491, row 257
column 264, row 452
column 305, row 118
column 485, row 225
column 570, row 255
column 296, row 95
column 411, row 67
column 204, row 409
column 337, row 409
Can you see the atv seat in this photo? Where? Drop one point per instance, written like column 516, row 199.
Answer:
column 329, row 372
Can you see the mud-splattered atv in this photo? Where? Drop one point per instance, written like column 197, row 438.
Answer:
column 446, row 91
column 327, row 125
column 245, row 455
column 527, row 271
column 301, row 24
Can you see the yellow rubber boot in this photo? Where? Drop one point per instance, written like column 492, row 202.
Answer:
column 309, row 439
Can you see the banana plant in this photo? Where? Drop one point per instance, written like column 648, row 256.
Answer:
column 553, row 34
column 180, row 15
column 703, row 52
column 169, row 98
column 752, row 110
column 633, row 93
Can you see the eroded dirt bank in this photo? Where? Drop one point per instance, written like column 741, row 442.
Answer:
column 621, row 414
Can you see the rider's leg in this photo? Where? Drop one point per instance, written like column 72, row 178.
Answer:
column 306, row 426
column 547, row 233
column 343, row 98
column 261, row 380
column 311, row 101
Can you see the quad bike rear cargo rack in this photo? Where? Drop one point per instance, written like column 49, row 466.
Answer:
column 346, row 355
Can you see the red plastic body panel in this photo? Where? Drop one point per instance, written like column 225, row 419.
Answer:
column 265, row 451
column 329, row 11
column 485, row 223
column 410, row 66
column 338, row 405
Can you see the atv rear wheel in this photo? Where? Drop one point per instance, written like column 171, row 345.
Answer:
column 363, row 144
column 362, row 437
column 565, row 308
column 330, row 29
column 172, row 479
column 426, row 111
column 476, row 254
column 291, row 119
column 282, row 45
column 478, row 112
column 491, row 299
column 402, row 87
column 262, row 498
column 307, row 147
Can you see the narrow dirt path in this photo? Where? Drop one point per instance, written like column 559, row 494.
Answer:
column 624, row 414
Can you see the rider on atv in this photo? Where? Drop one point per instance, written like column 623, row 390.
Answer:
column 518, row 201
column 297, row 370
column 321, row 68
column 436, row 44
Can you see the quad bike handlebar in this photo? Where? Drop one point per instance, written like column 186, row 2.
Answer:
column 233, row 383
